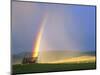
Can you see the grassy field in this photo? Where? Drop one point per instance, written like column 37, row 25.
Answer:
column 37, row 68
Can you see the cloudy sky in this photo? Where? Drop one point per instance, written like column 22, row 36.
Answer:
column 66, row 27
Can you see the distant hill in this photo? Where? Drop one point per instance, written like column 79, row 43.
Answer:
column 46, row 56
column 56, row 55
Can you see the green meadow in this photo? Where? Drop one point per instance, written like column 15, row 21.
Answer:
column 40, row 68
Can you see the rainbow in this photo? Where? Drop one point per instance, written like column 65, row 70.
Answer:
column 35, row 50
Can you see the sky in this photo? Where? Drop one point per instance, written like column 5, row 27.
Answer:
column 66, row 27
